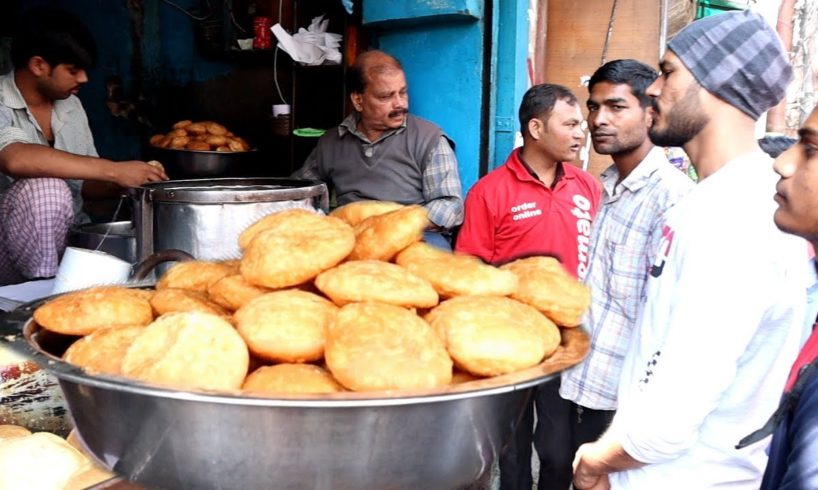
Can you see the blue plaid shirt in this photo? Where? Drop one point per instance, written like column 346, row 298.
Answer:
column 624, row 237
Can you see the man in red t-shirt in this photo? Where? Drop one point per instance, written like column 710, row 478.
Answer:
column 535, row 204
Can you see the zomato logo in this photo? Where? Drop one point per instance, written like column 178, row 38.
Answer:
column 582, row 211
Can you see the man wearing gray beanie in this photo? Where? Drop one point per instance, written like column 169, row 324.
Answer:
column 725, row 299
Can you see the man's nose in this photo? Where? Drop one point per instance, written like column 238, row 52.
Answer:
column 787, row 162
column 655, row 88
column 82, row 76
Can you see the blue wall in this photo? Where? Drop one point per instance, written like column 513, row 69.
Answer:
column 442, row 51
column 444, row 69
column 509, row 75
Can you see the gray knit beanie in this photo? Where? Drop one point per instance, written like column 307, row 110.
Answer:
column 737, row 57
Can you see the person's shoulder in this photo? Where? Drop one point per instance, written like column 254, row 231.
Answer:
column 583, row 177
column 422, row 123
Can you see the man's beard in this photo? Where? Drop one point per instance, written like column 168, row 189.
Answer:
column 684, row 121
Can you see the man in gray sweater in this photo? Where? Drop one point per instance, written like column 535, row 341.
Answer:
column 381, row 152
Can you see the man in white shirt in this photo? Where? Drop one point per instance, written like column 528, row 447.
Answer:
column 722, row 321
column 47, row 156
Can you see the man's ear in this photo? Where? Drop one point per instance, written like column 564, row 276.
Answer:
column 535, row 128
column 357, row 101
column 38, row 66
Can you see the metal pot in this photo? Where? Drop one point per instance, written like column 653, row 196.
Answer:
column 205, row 217
column 117, row 238
column 196, row 164
column 183, row 440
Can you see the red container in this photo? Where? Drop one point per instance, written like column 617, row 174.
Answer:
column 262, row 36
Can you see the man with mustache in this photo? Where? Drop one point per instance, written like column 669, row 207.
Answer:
column 792, row 463
column 535, row 204
column 725, row 297
column 638, row 189
column 381, row 152
column 48, row 161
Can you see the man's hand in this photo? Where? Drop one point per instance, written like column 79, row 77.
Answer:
column 588, row 473
column 135, row 173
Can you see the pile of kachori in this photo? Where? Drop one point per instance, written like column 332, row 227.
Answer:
column 42, row 460
column 320, row 304
column 200, row 136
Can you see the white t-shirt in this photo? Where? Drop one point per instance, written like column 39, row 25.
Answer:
column 716, row 339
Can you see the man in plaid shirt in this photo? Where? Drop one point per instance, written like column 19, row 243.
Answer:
column 637, row 190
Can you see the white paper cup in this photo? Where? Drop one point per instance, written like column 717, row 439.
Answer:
column 82, row 268
column 281, row 110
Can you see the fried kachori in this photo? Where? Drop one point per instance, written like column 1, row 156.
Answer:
column 375, row 346
column 382, row 236
column 286, row 326
column 291, row 219
column 284, row 256
column 456, row 275
column 355, row 212
column 102, row 351
column 547, row 286
column 374, row 280
column 489, row 335
column 291, row 378
column 38, row 461
column 189, row 350
column 194, row 275
column 11, row 431
column 173, row 300
column 82, row 312
column 233, row 292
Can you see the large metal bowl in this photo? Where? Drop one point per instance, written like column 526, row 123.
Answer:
column 194, row 164
column 183, row 440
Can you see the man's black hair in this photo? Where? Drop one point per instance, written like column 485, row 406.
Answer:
column 633, row 73
column 539, row 101
column 55, row 35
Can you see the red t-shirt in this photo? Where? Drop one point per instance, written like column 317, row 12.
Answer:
column 510, row 214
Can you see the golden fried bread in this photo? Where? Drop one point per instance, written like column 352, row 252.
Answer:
column 374, row 346
column 293, row 220
column 545, row 285
column 291, row 378
column 38, row 461
column 373, row 280
column 102, row 351
column 489, row 335
column 233, row 292
column 456, row 275
column 286, row 326
column 172, row 299
column 463, row 377
column 421, row 250
column 283, row 256
column 188, row 350
column 382, row 236
column 10, row 431
column 195, row 275
column 82, row 312
column 355, row 212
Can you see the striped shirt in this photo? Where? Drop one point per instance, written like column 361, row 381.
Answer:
column 624, row 238
column 442, row 191
column 68, row 123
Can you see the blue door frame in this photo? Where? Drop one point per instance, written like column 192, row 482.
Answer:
column 465, row 61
